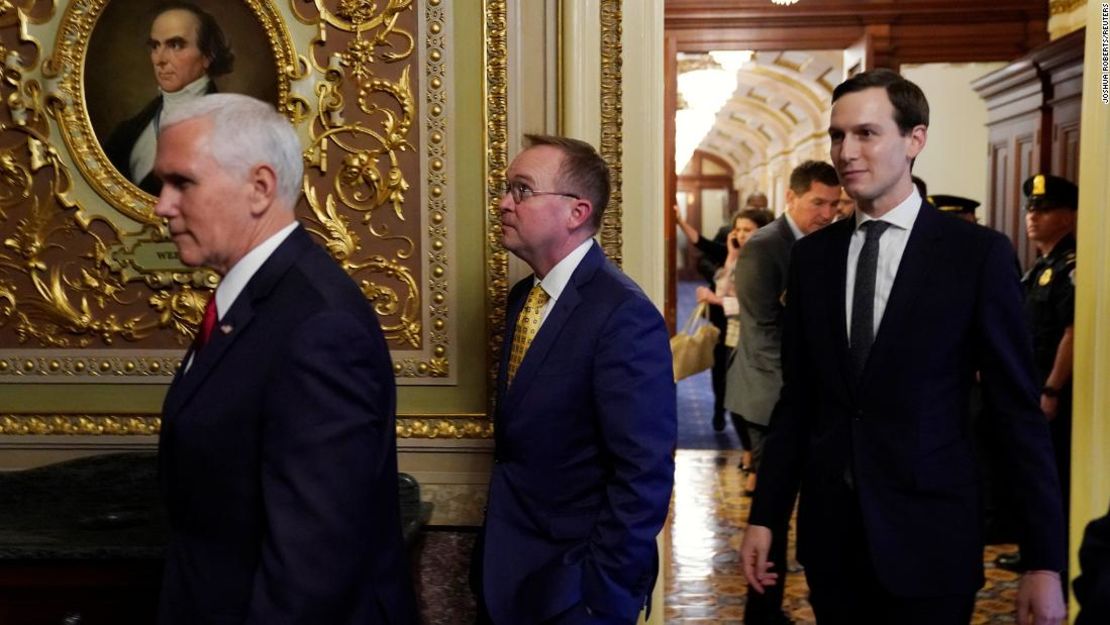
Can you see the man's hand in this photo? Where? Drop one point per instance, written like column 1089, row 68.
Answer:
column 753, row 553
column 1048, row 406
column 1040, row 599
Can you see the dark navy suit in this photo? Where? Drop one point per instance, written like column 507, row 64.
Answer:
column 278, row 459
column 894, row 449
column 584, row 462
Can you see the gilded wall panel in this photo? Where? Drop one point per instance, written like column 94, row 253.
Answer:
column 90, row 285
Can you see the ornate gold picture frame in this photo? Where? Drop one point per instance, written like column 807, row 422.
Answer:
column 90, row 286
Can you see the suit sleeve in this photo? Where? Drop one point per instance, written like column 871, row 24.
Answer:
column 783, row 449
column 759, row 280
column 635, row 402
column 328, row 408
column 1006, row 367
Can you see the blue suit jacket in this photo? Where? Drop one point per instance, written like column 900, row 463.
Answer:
column 277, row 458
column 584, row 463
column 904, row 428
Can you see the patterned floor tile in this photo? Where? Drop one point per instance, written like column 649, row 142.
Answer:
column 703, row 535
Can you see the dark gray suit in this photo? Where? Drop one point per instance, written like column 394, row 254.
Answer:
column 755, row 375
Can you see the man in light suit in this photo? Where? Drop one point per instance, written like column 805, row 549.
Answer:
column 755, row 374
column 585, row 417
column 277, row 454
column 888, row 317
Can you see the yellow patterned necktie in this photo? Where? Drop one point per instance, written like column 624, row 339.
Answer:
column 527, row 324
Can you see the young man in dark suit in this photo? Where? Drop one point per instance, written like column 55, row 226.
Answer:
column 888, row 317
column 585, row 418
column 277, row 452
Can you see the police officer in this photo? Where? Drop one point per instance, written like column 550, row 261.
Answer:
column 957, row 206
column 1051, row 206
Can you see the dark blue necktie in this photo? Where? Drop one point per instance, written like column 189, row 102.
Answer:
column 863, row 296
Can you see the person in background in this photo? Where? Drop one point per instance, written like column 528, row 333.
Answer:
column 585, row 411
column 959, row 207
column 709, row 264
column 1051, row 211
column 722, row 299
column 873, row 424
column 755, row 376
column 277, row 453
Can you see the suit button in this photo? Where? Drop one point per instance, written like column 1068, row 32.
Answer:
column 589, row 611
column 859, row 414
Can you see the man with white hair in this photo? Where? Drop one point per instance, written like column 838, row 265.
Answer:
column 277, row 452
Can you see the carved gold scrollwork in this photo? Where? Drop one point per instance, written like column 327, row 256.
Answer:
column 119, row 279
column 73, row 276
column 611, row 125
column 367, row 140
column 80, row 425
column 497, row 157
column 445, row 427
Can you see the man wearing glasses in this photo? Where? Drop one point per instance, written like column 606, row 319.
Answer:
column 585, row 414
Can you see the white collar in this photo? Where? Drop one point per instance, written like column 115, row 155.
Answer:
column 901, row 216
column 238, row 276
column 793, row 226
column 556, row 280
column 196, row 88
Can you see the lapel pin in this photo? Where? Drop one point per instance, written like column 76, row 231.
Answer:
column 226, row 328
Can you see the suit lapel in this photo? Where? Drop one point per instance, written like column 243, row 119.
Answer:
column 835, row 280
column 909, row 282
column 235, row 321
column 553, row 325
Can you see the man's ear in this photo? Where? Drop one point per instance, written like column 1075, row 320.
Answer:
column 580, row 213
column 263, row 188
column 917, row 138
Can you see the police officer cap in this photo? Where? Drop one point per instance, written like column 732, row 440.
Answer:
column 1045, row 191
column 953, row 204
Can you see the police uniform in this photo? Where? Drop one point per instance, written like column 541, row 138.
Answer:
column 1050, row 308
column 1050, row 301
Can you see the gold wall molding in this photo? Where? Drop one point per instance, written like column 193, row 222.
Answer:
column 98, row 366
column 414, row 426
column 495, row 141
column 1060, row 7
column 86, row 265
column 79, row 425
column 612, row 116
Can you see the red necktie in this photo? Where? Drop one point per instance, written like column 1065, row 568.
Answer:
column 208, row 324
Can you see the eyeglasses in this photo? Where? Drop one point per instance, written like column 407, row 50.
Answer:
column 521, row 191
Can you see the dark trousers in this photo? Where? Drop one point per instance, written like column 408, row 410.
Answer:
column 849, row 592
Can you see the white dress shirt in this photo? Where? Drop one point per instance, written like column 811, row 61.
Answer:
column 556, row 280
column 891, row 247
column 146, row 146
